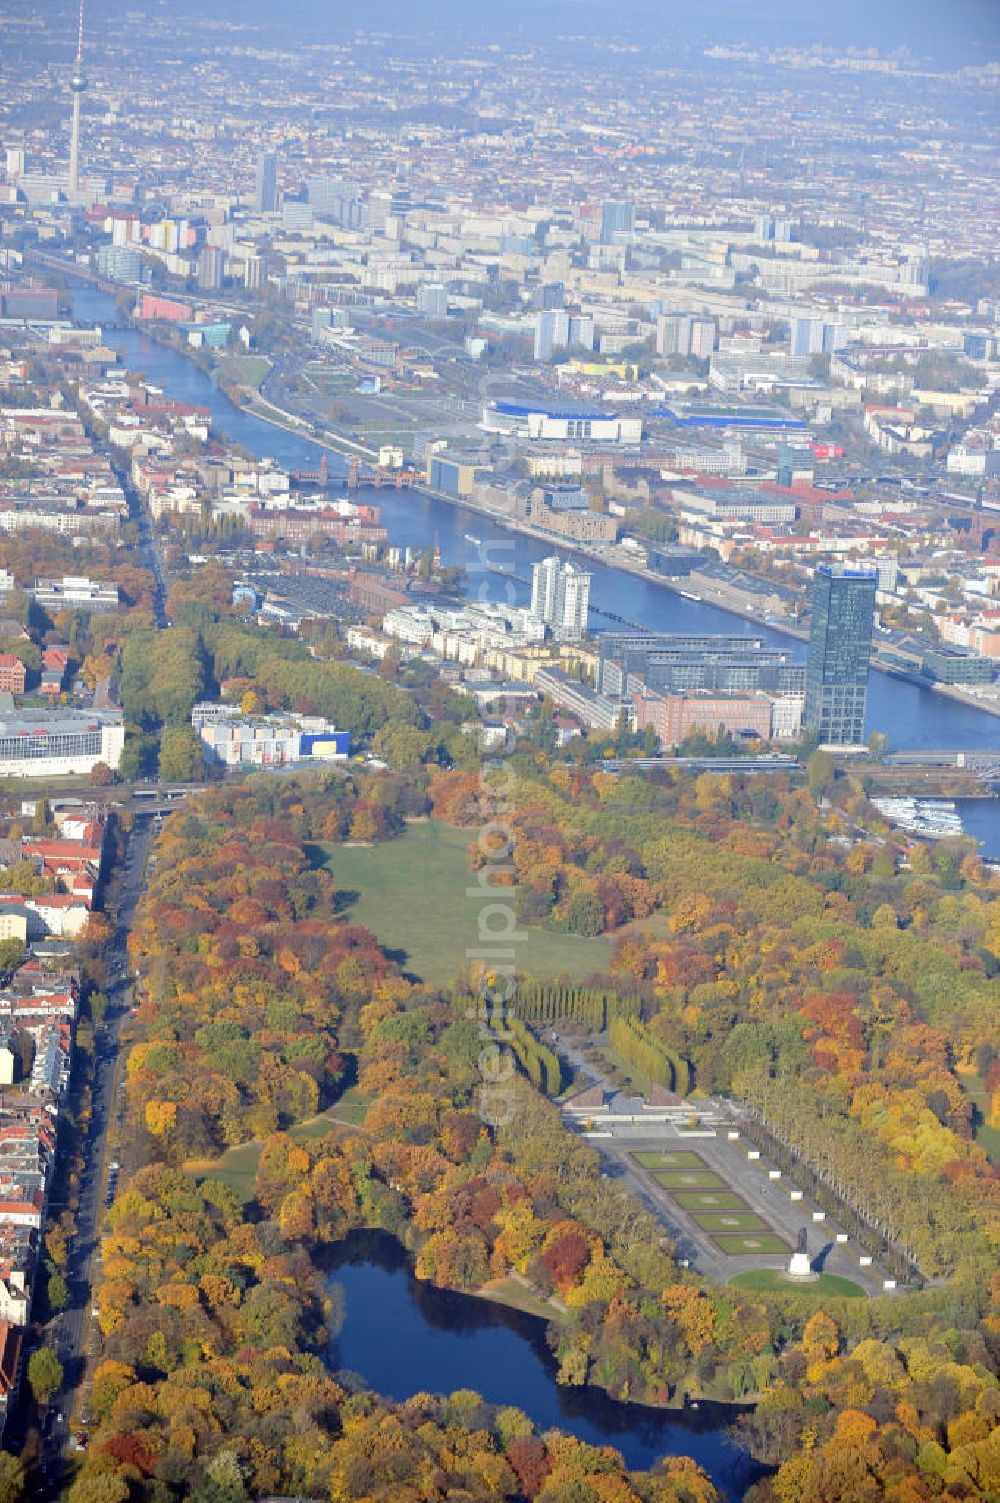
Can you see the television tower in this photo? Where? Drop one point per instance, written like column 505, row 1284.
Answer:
column 77, row 85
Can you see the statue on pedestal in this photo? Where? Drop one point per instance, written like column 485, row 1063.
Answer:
column 800, row 1267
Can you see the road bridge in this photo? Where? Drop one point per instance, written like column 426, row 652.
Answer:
column 985, row 764
column 704, row 764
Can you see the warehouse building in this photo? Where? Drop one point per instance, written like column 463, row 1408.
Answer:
column 238, row 740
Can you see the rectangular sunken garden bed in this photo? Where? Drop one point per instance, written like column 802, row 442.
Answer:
column 689, row 1179
column 710, row 1200
column 740, row 1244
column 669, row 1158
column 731, row 1221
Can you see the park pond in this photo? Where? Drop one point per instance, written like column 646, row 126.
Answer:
column 402, row 1336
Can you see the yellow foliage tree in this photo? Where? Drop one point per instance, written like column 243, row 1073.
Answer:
column 820, row 1338
column 160, row 1117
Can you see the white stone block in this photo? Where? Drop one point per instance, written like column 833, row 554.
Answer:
column 841, row 1236
column 864, row 1261
column 888, row 1283
column 796, row 1195
column 774, row 1174
column 753, row 1153
column 819, row 1215
column 733, row 1137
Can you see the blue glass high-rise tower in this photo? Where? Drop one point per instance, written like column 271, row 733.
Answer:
column 266, row 195
column 839, row 648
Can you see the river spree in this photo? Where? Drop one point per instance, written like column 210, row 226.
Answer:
column 914, row 718
column 404, row 1337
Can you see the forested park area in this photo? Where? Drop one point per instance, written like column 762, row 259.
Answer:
column 855, row 989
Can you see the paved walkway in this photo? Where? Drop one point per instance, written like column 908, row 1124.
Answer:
column 771, row 1199
column 618, row 1138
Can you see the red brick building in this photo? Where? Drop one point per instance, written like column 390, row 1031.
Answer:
column 165, row 308
column 11, row 674
column 675, row 716
column 295, row 525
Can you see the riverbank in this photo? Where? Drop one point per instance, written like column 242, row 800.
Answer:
column 706, row 591
column 335, row 442
column 947, row 691
column 917, row 718
column 261, row 408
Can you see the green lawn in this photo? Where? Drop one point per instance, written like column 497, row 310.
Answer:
column 770, row 1279
column 731, row 1221
column 237, row 1167
column 376, row 436
column 689, row 1179
column 710, row 1200
column 668, row 1158
column 739, row 1244
column 248, row 370
column 516, row 1296
column 411, row 892
column 987, row 1138
column 351, row 1107
column 64, row 782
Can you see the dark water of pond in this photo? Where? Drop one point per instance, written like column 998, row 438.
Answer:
column 403, row 1337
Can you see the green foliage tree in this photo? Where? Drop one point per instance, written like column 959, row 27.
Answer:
column 585, row 914
column 57, row 1293
column 12, row 1478
column 11, row 953
column 820, row 770
column 648, row 1056
column 181, row 759
column 45, row 1374
column 539, row 1063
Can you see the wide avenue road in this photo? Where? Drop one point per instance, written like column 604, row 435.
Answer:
column 76, row 1325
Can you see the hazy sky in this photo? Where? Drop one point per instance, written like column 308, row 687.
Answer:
column 925, row 26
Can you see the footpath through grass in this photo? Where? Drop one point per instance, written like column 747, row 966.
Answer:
column 237, row 1167
column 411, row 893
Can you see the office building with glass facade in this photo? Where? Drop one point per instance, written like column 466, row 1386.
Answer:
column 839, row 649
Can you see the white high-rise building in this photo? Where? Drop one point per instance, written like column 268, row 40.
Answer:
column 684, row 334
column 551, row 332
column 575, row 602
column 432, row 300
column 806, row 336
column 543, row 589
column 266, row 191
column 581, row 331
column 814, row 336
column 560, row 596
